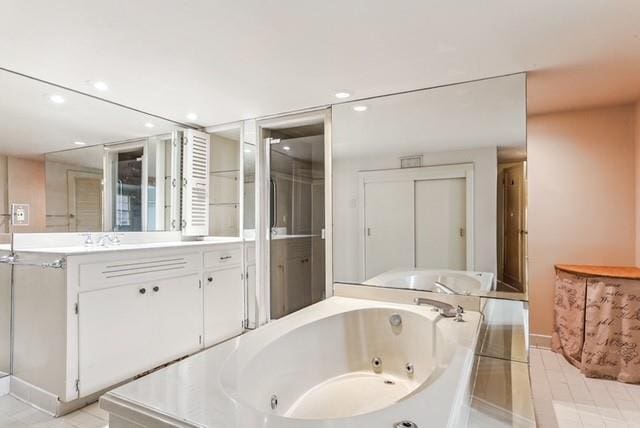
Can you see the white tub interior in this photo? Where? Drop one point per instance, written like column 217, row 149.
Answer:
column 325, row 369
column 460, row 282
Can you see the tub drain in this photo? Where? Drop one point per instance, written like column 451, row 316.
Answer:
column 405, row 424
column 389, row 382
column 274, row 402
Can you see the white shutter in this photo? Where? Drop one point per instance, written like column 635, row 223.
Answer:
column 195, row 194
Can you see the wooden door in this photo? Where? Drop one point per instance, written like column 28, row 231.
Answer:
column 514, row 226
column 85, row 201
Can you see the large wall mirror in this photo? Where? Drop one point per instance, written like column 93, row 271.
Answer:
column 429, row 189
column 81, row 164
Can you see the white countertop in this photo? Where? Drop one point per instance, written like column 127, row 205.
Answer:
column 80, row 250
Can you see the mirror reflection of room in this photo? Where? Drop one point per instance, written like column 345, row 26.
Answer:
column 429, row 189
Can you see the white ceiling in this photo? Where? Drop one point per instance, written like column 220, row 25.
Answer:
column 229, row 60
column 486, row 113
column 30, row 124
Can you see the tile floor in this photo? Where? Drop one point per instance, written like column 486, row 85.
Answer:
column 16, row 414
column 564, row 398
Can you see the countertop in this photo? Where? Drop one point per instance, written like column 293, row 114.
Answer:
column 622, row 272
column 81, row 250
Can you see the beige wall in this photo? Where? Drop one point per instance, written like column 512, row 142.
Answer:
column 637, row 182
column 26, row 185
column 581, row 197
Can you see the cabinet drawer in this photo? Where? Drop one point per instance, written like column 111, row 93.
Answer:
column 106, row 274
column 227, row 256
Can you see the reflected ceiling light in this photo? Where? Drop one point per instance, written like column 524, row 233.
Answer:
column 100, row 85
column 149, row 125
column 360, row 108
column 56, row 99
column 247, row 150
column 287, row 148
column 79, row 143
column 192, row 116
column 342, row 95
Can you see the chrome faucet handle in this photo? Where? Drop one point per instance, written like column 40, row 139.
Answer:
column 115, row 240
column 459, row 312
column 88, row 241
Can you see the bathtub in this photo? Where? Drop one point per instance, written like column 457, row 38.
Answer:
column 454, row 281
column 339, row 363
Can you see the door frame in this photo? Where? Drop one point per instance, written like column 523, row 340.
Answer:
column 439, row 172
column 263, row 203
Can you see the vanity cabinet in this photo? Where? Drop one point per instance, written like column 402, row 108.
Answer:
column 290, row 275
column 127, row 329
column 112, row 314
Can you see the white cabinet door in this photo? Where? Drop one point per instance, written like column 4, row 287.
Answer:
column 176, row 318
column 114, row 336
column 128, row 329
column 223, row 305
column 298, row 284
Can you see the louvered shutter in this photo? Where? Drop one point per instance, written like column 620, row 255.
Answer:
column 195, row 193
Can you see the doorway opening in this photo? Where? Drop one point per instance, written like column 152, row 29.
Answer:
column 296, row 202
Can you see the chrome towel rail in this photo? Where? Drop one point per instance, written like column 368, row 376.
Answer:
column 13, row 260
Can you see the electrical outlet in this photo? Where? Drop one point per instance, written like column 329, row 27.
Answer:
column 20, row 214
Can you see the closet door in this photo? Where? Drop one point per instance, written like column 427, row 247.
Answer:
column 440, row 224
column 388, row 231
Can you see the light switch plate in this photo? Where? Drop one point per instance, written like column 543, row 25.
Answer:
column 20, row 214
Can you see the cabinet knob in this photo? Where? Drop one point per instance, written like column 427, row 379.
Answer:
column 210, row 279
column 156, row 288
column 142, row 290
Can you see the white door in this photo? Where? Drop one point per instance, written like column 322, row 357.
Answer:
column 440, row 221
column 223, row 305
column 388, row 220
column 115, row 332
column 176, row 318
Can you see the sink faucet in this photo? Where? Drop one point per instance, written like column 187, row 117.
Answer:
column 106, row 238
column 445, row 309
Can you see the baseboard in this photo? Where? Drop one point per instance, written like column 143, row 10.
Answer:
column 5, row 381
column 540, row 341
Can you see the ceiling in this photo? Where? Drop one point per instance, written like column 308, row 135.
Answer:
column 30, row 124
column 481, row 114
column 229, row 60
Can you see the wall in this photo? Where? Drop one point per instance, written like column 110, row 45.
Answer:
column 347, row 254
column 581, row 197
column 26, row 185
column 637, row 180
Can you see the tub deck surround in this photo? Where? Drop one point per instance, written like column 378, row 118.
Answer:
column 597, row 320
column 110, row 314
column 316, row 368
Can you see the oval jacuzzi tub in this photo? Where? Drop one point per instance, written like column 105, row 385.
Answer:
column 344, row 365
column 340, row 363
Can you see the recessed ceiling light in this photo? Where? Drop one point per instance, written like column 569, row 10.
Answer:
column 149, row 125
column 342, row 95
column 56, row 99
column 192, row 116
column 79, row 143
column 360, row 108
column 287, row 148
column 100, row 85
